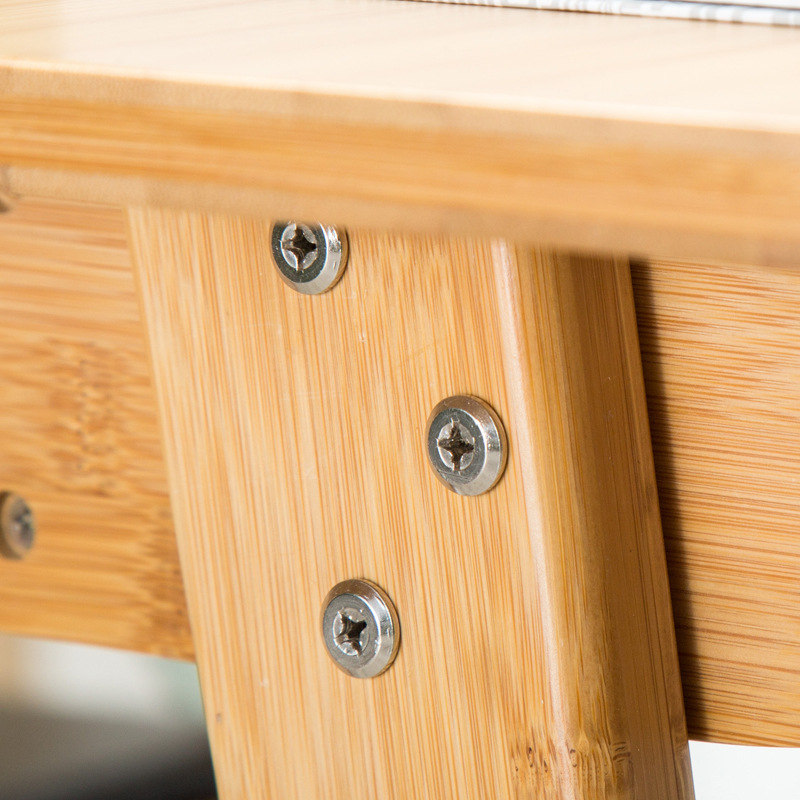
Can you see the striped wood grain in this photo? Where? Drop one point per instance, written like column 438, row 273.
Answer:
column 609, row 134
column 719, row 349
column 721, row 355
column 79, row 438
column 538, row 656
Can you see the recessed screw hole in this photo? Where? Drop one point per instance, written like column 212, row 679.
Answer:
column 459, row 444
column 348, row 633
column 301, row 246
column 22, row 525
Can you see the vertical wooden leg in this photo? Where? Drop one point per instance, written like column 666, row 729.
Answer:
column 538, row 655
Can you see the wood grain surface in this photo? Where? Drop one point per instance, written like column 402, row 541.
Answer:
column 719, row 349
column 80, row 438
column 722, row 363
column 615, row 134
column 538, row 656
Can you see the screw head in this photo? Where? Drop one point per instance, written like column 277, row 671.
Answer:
column 310, row 257
column 467, row 444
column 360, row 628
column 17, row 526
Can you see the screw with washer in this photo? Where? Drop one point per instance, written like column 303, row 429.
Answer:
column 17, row 526
column 310, row 257
column 467, row 444
column 360, row 628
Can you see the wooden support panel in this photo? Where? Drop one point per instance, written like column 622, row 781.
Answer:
column 79, row 438
column 79, row 432
column 721, row 354
column 537, row 656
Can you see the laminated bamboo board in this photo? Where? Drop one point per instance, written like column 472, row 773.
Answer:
column 722, row 367
column 634, row 135
column 604, row 133
column 538, row 655
column 79, row 438
column 716, row 340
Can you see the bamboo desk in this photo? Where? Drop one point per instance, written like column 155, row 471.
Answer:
column 144, row 148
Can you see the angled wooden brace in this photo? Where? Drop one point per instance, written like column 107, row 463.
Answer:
column 538, row 656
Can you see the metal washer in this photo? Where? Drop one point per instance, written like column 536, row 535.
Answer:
column 17, row 526
column 360, row 628
column 482, row 430
column 328, row 264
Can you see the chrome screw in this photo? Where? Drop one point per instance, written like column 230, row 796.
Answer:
column 17, row 526
column 310, row 258
column 360, row 628
column 467, row 444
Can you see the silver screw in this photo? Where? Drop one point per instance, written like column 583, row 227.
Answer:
column 360, row 628
column 17, row 526
column 310, row 258
column 467, row 444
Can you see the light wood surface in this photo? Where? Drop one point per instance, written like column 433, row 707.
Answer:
column 626, row 135
column 721, row 370
column 80, row 438
column 722, row 362
column 538, row 656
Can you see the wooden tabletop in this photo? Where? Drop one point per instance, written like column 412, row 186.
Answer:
column 649, row 136
column 655, row 137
